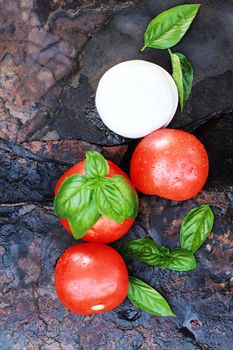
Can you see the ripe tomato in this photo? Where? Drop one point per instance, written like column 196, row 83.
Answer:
column 91, row 278
column 105, row 230
column 170, row 163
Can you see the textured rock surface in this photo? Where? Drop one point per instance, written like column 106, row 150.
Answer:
column 32, row 240
column 52, row 54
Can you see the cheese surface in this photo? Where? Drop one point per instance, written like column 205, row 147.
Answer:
column 136, row 97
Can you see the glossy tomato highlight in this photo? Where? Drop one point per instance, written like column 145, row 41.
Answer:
column 105, row 230
column 91, row 278
column 170, row 163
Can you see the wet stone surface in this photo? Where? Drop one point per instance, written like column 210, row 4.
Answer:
column 52, row 54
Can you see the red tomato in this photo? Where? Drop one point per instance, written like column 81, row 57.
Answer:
column 105, row 230
column 170, row 163
column 91, row 278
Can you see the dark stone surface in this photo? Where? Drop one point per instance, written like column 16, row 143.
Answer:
column 52, row 54
column 32, row 240
column 31, row 177
column 43, row 10
column 217, row 136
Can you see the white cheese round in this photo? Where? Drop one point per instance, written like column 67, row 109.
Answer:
column 136, row 97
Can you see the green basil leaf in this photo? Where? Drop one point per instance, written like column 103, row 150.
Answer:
column 95, row 165
column 196, row 227
column 129, row 195
column 182, row 73
column 147, row 298
column 83, row 220
column 146, row 250
column 71, row 195
column 110, row 202
column 169, row 27
column 181, row 260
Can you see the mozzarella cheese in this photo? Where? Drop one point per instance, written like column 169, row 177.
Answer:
column 136, row 97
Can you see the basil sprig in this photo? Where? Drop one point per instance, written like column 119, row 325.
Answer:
column 196, row 227
column 165, row 31
column 169, row 27
column 147, row 298
column 182, row 73
column 83, row 198
column 146, row 250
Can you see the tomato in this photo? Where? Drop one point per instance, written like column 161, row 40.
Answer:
column 91, row 278
column 170, row 163
column 105, row 230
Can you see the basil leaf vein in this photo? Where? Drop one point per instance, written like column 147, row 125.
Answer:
column 169, row 27
column 72, row 194
column 147, row 251
column 82, row 221
column 110, row 202
column 129, row 195
column 181, row 260
column 147, row 298
column 182, row 73
column 196, row 227
column 95, row 165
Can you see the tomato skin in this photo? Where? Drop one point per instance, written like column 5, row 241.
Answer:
column 105, row 230
column 170, row 163
column 91, row 278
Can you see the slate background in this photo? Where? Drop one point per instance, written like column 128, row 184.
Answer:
column 52, row 54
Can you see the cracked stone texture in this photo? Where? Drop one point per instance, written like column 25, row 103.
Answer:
column 32, row 240
column 52, row 54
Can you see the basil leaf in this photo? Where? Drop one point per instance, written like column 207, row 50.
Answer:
column 71, row 195
column 83, row 220
column 168, row 28
column 129, row 195
column 147, row 298
column 146, row 250
column 181, row 260
column 110, row 202
column 95, row 165
column 196, row 227
column 182, row 73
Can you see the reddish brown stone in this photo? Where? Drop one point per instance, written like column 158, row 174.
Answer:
column 8, row 125
column 73, row 151
column 32, row 59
